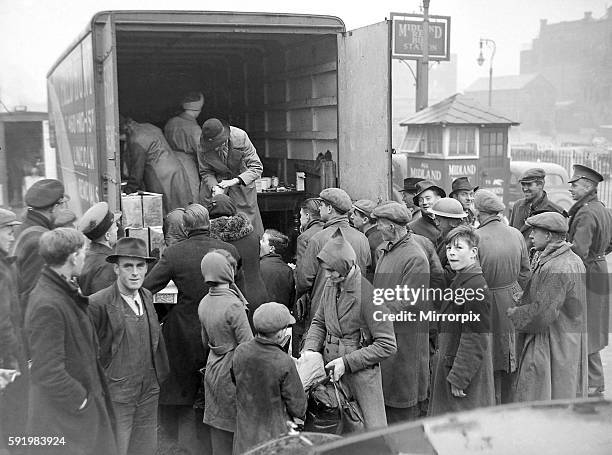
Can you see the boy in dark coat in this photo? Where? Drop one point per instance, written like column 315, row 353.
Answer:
column 463, row 377
column 269, row 391
column 276, row 274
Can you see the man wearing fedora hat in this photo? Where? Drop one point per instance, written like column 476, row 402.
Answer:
column 229, row 163
column 153, row 165
column 408, row 192
column 590, row 232
column 44, row 200
column 99, row 225
column 426, row 196
column 132, row 349
column 463, row 191
column 535, row 201
column 183, row 135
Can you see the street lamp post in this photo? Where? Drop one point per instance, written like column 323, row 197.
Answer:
column 481, row 60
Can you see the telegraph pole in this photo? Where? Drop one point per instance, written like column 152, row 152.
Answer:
column 422, row 78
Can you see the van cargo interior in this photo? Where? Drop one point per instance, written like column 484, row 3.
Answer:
column 279, row 87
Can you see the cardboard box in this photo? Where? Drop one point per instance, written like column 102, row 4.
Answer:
column 142, row 210
column 167, row 295
column 153, row 237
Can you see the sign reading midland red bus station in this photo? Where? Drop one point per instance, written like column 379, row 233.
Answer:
column 407, row 37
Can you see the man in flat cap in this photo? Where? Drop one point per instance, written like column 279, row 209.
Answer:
column 230, row 164
column 403, row 262
column 132, row 349
column 550, row 319
column 310, row 278
column 427, row 195
column 535, row 201
column 590, row 232
column 99, row 225
column 44, row 200
column 463, row 191
column 505, row 265
column 361, row 220
column 153, row 165
column 408, row 193
column 14, row 395
column 183, row 135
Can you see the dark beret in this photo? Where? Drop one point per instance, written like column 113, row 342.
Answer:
column 45, row 193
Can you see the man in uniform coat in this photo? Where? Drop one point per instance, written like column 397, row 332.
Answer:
column 69, row 397
column 229, row 163
column 360, row 218
column 132, row 350
column 428, row 193
column 181, row 327
column 153, row 166
column 405, row 375
column 590, row 232
column 310, row 278
column 183, row 134
column 99, row 225
column 44, row 199
column 535, row 201
column 505, row 265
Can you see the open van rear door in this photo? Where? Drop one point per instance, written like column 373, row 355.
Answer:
column 364, row 113
column 108, row 110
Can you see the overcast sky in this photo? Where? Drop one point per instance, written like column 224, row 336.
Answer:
column 36, row 32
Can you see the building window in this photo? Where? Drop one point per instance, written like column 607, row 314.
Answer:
column 462, row 142
column 426, row 140
column 492, row 146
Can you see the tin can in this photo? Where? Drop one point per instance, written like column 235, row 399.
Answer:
column 274, row 182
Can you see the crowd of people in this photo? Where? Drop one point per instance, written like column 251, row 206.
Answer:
column 431, row 305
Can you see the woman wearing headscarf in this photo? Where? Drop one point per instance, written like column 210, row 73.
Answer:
column 351, row 331
column 222, row 314
column 174, row 227
column 234, row 227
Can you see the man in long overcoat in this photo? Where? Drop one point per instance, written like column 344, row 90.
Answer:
column 153, row 166
column 551, row 318
column 336, row 204
column 405, row 375
column 229, row 163
column 590, row 232
column 181, row 327
column 183, row 135
column 69, row 397
column 99, row 225
column 505, row 266
column 535, row 201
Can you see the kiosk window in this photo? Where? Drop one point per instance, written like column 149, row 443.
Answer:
column 426, row 141
column 462, row 142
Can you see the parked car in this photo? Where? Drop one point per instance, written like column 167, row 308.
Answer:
column 556, row 185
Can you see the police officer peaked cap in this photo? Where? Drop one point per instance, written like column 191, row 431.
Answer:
column 337, row 198
column 97, row 220
column 583, row 172
column 550, row 221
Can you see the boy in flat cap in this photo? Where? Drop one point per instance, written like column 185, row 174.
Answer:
column 44, row 199
column 361, row 219
column 99, row 225
column 334, row 209
column 590, row 232
column 535, row 201
column 183, row 135
column 505, row 265
column 269, row 391
column 132, row 350
column 403, row 262
column 551, row 318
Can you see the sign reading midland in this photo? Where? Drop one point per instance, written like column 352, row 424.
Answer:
column 407, row 38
